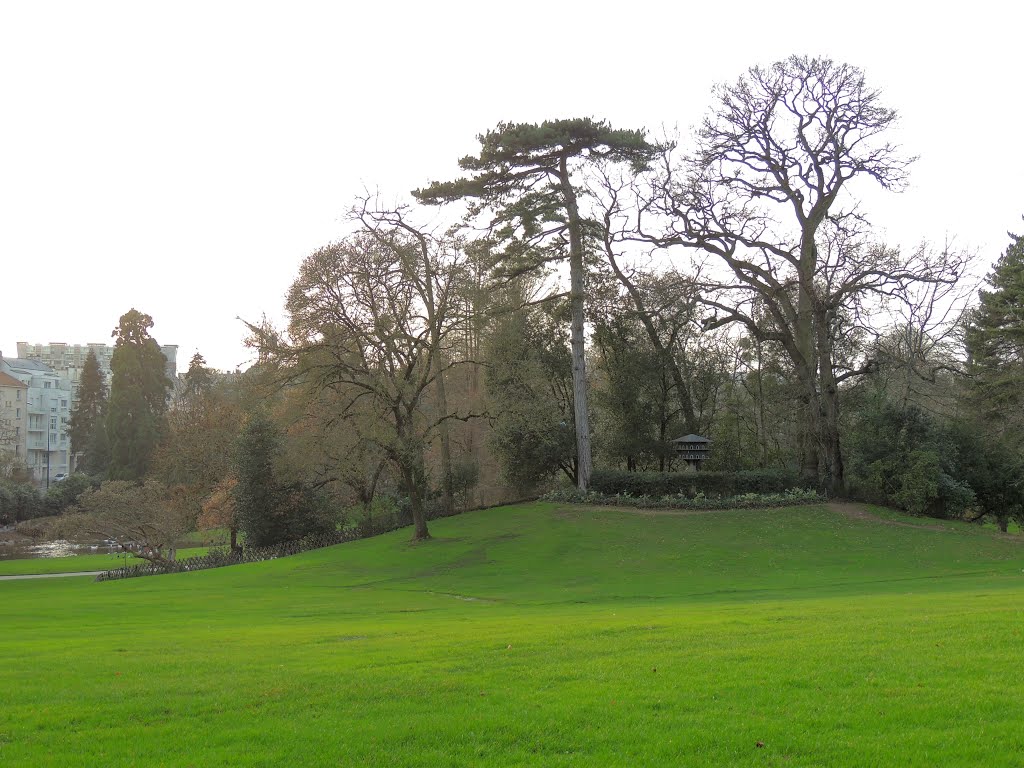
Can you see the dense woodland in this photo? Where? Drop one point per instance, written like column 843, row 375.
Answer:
column 581, row 295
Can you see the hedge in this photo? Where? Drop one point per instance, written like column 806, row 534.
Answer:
column 691, row 484
column 791, row 498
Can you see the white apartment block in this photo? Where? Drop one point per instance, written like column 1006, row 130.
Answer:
column 68, row 360
column 47, row 408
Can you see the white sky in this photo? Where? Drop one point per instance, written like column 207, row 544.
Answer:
column 182, row 158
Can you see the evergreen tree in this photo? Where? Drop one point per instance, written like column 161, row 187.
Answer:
column 529, row 381
column 528, row 177
column 86, row 427
column 995, row 336
column 138, row 392
column 266, row 510
column 198, row 381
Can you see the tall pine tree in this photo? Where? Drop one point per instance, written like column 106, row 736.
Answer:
column 995, row 337
column 86, row 427
column 138, row 397
column 527, row 177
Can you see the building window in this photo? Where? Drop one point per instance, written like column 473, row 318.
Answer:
column 53, row 423
column 17, row 395
column 17, row 413
column 46, row 385
column 63, row 403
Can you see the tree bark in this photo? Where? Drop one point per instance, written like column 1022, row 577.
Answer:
column 576, row 298
column 419, row 518
column 833, row 474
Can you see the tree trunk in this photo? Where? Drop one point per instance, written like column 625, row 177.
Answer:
column 437, row 362
column 831, row 453
column 419, row 518
column 579, row 363
column 806, row 359
column 446, row 443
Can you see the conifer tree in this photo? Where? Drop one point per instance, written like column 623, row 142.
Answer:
column 138, row 397
column 198, row 380
column 995, row 335
column 527, row 177
column 86, row 427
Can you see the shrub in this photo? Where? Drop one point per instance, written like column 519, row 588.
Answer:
column 692, row 484
column 19, row 501
column 788, row 498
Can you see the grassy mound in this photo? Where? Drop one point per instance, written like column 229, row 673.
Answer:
column 539, row 635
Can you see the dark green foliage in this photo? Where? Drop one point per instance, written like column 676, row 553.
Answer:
column 64, row 494
column 690, row 484
column 465, row 476
column 269, row 512
column 993, row 467
column 198, row 381
column 512, row 147
column 86, row 427
column 788, row 498
column 138, row 391
column 20, row 501
column 637, row 407
column 995, row 336
column 529, row 381
column 904, row 457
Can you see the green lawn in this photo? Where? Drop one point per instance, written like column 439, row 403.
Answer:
column 79, row 563
column 539, row 635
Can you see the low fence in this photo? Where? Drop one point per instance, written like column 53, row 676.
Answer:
column 219, row 558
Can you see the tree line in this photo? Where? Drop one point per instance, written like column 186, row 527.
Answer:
column 593, row 293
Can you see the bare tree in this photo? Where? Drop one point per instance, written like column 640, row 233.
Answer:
column 767, row 194
column 359, row 329
column 147, row 519
column 388, row 227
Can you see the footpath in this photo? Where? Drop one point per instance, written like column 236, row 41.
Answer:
column 49, row 575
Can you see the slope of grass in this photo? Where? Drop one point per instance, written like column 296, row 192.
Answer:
column 537, row 635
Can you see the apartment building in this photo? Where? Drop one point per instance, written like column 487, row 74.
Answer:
column 68, row 360
column 13, row 416
column 47, row 407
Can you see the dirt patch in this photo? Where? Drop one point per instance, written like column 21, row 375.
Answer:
column 860, row 512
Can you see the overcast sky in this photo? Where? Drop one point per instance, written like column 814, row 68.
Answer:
column 182, row 158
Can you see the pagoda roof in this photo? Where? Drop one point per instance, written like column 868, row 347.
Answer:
column 691, row 439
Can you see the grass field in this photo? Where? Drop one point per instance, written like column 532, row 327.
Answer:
column 539, row 635
column 79, row 563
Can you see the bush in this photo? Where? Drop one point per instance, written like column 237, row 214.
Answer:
column 63, row 495
column 788, row 498
column 19, row 501
column 907, row 458
column 382, row 512
column 693, row 484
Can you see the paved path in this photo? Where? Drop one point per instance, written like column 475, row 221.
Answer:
column 49, row 575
